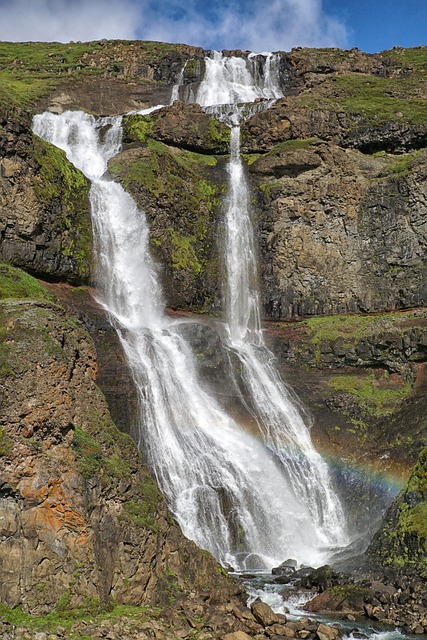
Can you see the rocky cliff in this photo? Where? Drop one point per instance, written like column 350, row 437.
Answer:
column 81, row 518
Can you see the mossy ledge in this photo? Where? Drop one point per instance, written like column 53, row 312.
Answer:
column 179, row 192
column 64, row 191
column 401, row 542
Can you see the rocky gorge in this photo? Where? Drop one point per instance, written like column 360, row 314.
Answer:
column 337, row 171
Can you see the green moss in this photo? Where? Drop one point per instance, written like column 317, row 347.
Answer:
column 401, row 543
column 117, row 467
column 137, row 127
column 183, row 254
column 250, row 158
column 64, row 190
column 292, row 145
column 219, row 133
column 88, row 453
column 170, row 177
column 189, row 158
column 144, row 511
column 5, row 443
column 403, row 166
column 331, row 328
column 342, row 592
column 17, row 284
column 378, row 395
column 271, row 189
column 418, row 479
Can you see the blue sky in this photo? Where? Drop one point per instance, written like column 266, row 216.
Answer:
column 370, row 25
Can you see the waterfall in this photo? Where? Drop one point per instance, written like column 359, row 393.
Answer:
column 176, row 87
column 250, row 500
column 270, row 402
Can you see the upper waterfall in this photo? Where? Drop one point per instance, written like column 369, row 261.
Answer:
column 230, row 80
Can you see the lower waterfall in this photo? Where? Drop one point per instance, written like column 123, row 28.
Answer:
column 250, row 501
column 276, row 413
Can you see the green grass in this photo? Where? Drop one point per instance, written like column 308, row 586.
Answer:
column 292, row 145
column 16, row 284
column 403, row 166
column 65, row 616
column 30, row 70
column 380, row 99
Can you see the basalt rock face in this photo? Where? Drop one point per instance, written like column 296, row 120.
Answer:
column 401, row 542
column 340, row 231
column 81, row 518
column 180, row 192
column 44, row 207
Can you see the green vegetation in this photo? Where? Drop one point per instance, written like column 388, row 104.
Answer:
column 413, row 59
column 175, row 185
column 104, row 452
column 64, row 190
column 292, row 145
column 144, row 511
column 88, row 452
column 378, row 395
column 30, row 70
column 250, row 158
column 377, row 98
column 348, row 329
column 402, row 541
column 65, row 616
column 183, row 253
column 271, row 189
column 17, row 284
column 93, row 451
column 5, row 443
column 137, row 127
column 219, row 133
column 403, row 166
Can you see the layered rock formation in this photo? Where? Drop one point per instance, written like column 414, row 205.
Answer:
column 81, row 518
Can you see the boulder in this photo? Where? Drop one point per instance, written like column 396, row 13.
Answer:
column 263, row 613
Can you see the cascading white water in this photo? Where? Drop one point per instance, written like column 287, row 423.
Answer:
column 279, row 420
column 230, row 80
column 251, row 501
column 226, row 488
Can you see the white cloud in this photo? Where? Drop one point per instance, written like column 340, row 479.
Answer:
column 232, row 24
column 65, row 20
column 253, row 25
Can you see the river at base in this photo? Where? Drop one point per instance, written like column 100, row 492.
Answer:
column 290, row 601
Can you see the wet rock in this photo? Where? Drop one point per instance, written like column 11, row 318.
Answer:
column 287, row 568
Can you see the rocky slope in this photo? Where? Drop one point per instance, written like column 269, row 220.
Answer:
column 81, row 518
